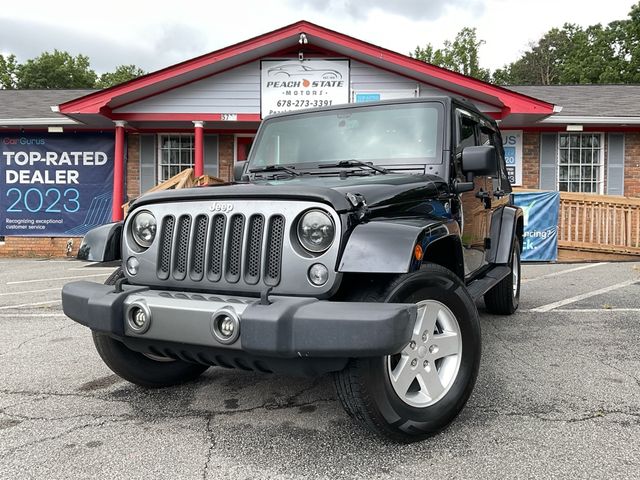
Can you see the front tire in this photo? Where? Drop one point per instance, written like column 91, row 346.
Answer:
column 144, row 370
column 418, row 392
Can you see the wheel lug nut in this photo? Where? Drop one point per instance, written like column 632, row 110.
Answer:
column 412, row 345
column 426, row 365
column 425, row 335
column 414, row 362
column 433, row 349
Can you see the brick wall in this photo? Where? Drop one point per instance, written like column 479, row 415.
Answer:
column 632, row 164
column 530, row 160
column 133, row 166
column 38, row 247
column 225, row 157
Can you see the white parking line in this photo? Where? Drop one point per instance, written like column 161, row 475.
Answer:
column 562, row 272
column 84, row 269
column 56, row 278
column 48, row 260
column 577, row 298
column 592, row 310
column 34, row 304
column 29, row 291
column 31, row 315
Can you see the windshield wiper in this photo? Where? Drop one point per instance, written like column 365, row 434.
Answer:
column 353, row 163
column 275, row 168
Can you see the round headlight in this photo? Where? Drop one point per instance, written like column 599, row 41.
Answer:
column 143, row 228
column 316, row 231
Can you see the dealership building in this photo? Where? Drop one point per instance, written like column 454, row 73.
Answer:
column 71, row 158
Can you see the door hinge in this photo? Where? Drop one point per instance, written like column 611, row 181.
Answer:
column 485, row 197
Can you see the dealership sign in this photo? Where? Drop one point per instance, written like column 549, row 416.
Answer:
column 287, row 85
column 55, row 185
column 512, row 142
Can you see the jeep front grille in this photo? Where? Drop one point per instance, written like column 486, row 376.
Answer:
column 274, row 247
column 221, row 246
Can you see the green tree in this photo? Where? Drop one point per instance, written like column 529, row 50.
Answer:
column 122, row 73
column 56, row 70
column 542, row 64
column 8, row 71
column 573, row 54
column 625, row 41
column 460, row 55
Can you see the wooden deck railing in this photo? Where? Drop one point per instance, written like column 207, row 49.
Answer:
column 599, row 222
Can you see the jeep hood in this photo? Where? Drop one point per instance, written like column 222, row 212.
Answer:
column 377, row 190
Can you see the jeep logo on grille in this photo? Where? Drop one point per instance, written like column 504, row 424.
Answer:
column 221, row 207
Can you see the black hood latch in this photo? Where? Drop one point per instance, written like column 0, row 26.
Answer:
column 359, row 203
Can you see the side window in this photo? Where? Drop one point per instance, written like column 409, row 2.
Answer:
column 466, row 136
column 488, row 136
column 501, row 179
column 485, row 136
column 467, row 132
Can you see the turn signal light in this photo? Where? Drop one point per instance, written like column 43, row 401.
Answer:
column 418, row 252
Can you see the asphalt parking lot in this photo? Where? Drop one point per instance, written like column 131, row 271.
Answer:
column 558, row 396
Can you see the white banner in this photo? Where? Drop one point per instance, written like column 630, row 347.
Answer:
column 512, row 142
column 287, row 85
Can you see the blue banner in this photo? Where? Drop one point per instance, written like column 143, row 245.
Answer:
column 540, row 239
column 55, row 185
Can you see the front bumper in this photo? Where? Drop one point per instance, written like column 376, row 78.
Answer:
column 287, row 328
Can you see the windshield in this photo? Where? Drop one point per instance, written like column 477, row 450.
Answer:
column 386, row 135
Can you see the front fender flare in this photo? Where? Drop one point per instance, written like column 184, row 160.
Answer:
column 102, row 244
column 387, row 246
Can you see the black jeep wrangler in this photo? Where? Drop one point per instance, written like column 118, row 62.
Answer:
column 354, row 241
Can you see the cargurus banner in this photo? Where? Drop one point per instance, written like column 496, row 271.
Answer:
column 55, row 185
column 540, row 239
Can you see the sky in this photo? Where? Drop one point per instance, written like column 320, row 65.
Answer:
column 159, row 33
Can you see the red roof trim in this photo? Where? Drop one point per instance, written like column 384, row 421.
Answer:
column 185, row 117
column 517, row 102
column 85, row 104
column 517, row 99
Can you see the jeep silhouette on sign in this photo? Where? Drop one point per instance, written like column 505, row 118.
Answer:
column 297, row 70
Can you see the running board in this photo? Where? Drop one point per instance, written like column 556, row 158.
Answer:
column 479, row 287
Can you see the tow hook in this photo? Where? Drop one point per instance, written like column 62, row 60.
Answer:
column 264, row 296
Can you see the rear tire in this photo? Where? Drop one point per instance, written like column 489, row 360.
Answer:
column 371, row 389
column 135, row 367
column 504, row 298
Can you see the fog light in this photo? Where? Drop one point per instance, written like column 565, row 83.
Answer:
column 318, row 274
column 225, row 325
column 139, row 317
column 132, row 265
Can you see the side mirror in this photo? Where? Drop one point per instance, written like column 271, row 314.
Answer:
column 238, row 171
column 479, row 161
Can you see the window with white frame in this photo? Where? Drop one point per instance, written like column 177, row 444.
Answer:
column 175, row 154
column 580, row 162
